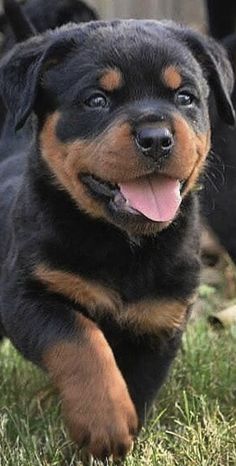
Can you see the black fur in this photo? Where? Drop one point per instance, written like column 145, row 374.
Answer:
column 20, row 25
column 21, row 21
column 218, row 197
column 40, row 223
column 222, row 17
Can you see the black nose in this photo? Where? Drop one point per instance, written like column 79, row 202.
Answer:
column 154, row 141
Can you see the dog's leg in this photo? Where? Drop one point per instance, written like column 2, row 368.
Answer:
column 77, row 357
column 144, row 365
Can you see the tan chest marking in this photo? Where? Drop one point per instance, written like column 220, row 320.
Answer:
column 155, row 316
column 85, row 292
column 145, row 316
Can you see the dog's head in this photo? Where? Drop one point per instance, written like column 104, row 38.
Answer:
column 122, row 112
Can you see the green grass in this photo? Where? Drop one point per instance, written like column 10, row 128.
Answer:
column 193, row 421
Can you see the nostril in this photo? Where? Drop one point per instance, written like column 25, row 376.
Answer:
column 167, row 142
column 144, row 142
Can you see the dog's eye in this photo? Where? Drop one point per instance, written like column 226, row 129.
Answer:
column 185, row 98
column 97, row 101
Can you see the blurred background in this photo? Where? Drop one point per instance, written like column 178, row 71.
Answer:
column 187, row 11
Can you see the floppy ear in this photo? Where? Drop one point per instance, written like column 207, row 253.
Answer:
column 217, row 69
column 21, row 71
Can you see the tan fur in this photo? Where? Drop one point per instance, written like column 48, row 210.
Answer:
column 111, row 80
column 111, row 157
column 203, row 142
column 190, row 153
column 145, row 316
column 96, row 401
column 58, row 157
column 85, row 292
column 155, row 316
column 171, row 77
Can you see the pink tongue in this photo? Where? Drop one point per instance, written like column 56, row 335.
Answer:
column 155, row 196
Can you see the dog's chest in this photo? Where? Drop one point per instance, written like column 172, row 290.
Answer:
column 145, row 313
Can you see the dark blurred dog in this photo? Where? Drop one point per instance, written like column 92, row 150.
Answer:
column 19, row 22
column 41, row 15
column 222, row 17
column 219, row 194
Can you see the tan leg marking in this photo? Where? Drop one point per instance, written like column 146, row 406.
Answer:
column 96, row 402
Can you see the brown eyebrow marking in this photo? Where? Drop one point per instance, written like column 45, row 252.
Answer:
column 172, row 77
column 111, row 79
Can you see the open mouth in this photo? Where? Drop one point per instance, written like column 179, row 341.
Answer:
column 156, row 197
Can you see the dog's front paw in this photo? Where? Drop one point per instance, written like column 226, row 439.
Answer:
column 101, row 416
column 97, row 406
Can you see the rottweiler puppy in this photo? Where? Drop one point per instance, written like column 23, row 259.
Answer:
column 99, row 224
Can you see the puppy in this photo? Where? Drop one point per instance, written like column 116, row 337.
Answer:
column 99, row 240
